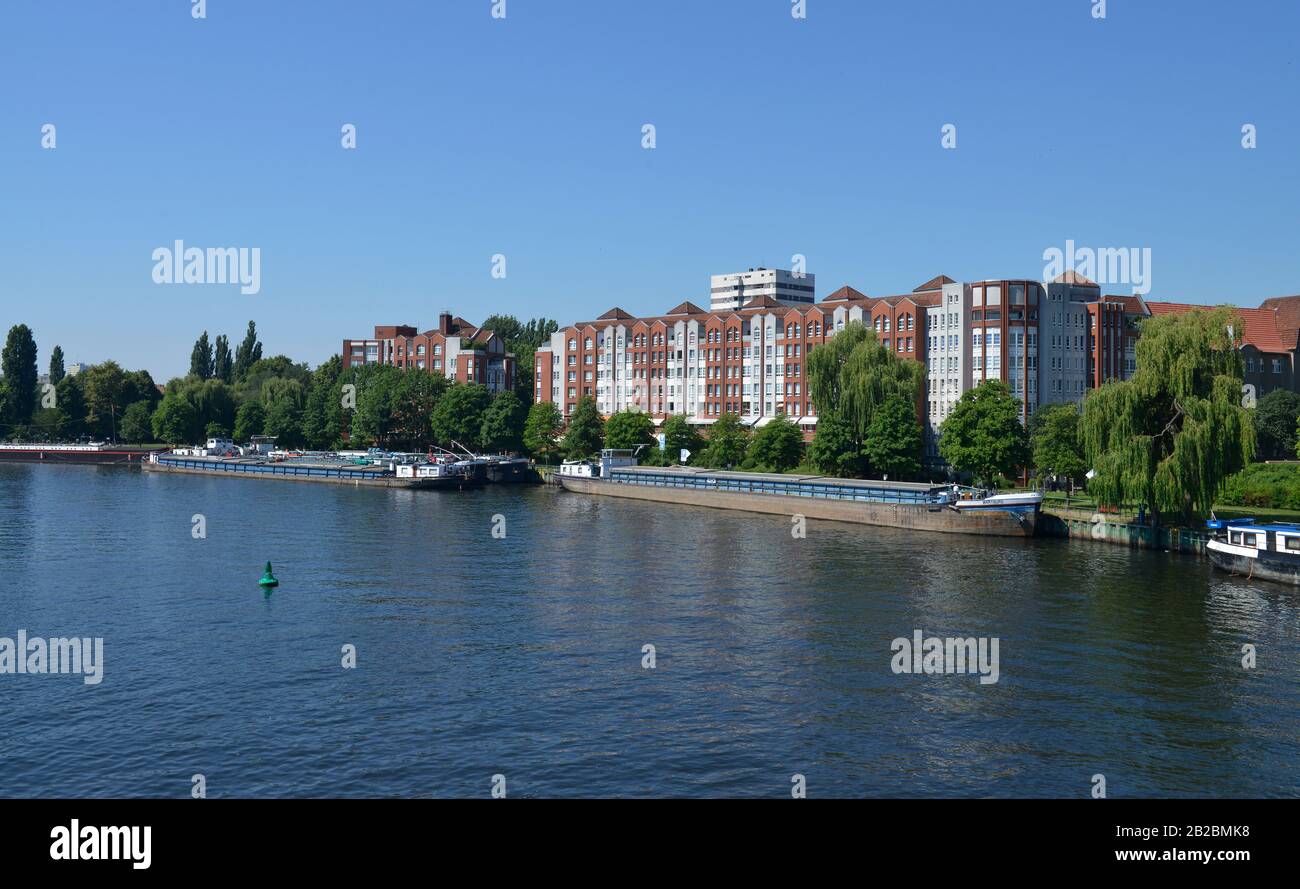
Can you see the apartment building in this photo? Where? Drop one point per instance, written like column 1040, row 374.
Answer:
column 733, row 291
column 703, row 363
column 1050, row 342
column 455, row 348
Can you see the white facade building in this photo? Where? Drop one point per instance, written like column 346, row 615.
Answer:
column 728, row 292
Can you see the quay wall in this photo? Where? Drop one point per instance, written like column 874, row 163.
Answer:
column 1097, row 527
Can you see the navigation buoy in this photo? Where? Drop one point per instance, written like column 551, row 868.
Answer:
column 268, row 579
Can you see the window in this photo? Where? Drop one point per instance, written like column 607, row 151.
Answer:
column 1248, row 539
column 1292, row 543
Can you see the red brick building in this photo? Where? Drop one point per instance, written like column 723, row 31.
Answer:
column 455, row 349
column 701, row 363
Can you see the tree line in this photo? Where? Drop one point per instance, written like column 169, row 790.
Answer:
column 240, row 394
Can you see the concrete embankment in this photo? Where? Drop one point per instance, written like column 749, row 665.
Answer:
column 1120, row 530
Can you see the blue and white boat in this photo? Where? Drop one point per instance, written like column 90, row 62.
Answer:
column 1023, row 502
column 1270, row 552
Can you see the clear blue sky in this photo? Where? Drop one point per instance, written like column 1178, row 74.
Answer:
column 523, row 137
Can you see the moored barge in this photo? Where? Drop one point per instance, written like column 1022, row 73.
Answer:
column 921, row 507
column 407, row 476
column 93, row 452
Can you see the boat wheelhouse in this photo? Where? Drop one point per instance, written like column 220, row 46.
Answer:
column 1267, row 551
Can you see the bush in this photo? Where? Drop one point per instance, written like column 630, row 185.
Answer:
column 1265, row 486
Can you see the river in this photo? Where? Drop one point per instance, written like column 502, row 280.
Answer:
column 522, row 655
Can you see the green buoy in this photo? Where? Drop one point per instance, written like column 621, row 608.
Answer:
column 268, row 579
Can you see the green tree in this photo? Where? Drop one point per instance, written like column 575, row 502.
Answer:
column 458, row 416
column 138, row 385
column 1276, row 417
column 105, row 388
column 248, row 353
column 137, row 423
column 322, row 417
column 1054, row 437
column 850, row 377
column 629, row 429
column 503, row 424
column 983, row 434
column 7, row 427
column 522, row 340
column 542, row 430
column 18, row 362
column 586, row 430
column 223, row 367
column 893, row 441
column 680, row 435
column 57, row 371
column 727, row 443
column 49, row 424
column 1170, row 436
column 278, row 366
column 175, row 422
column 834, row 450
column 250, row 420
column 775, row 447
column 283, row 400
column 201, row 358
column 415, row 396
column 70, row 394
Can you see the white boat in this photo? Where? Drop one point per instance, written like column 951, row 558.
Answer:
column 1269, row 552
column 1024, row 501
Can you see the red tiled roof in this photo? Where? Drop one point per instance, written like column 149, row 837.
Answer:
column 1288, row 317
column 935, row 283
column 686, row 308
column 844, row 293
column 613, row 313
column 1260, row 325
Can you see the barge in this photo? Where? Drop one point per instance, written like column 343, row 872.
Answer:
column 1269, row 552
column 92, row 452
column 920, row 507
column 408, row 476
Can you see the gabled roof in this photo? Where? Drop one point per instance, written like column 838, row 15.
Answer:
column 762, row 302
column 1073, row 277
column 615, row 313
column 686, row 308
column 936, row 283
column 843, row 294
column 1287, row 309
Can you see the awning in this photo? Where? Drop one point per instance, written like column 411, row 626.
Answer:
column 698, row 421
column 763, row 421
column 807, row 421
column 657, row 422
column 749, row 421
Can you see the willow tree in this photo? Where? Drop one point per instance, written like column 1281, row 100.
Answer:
column 1170, row 436
column 853, row 375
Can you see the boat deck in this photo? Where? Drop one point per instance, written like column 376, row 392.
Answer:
column 818, row 486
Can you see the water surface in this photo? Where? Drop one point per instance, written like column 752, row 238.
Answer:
column 522, row 656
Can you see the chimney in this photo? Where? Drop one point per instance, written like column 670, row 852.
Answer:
column 444, row 323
